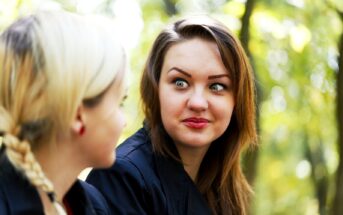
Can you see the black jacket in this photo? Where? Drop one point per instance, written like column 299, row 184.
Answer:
column 140, row 182
column 19, row 197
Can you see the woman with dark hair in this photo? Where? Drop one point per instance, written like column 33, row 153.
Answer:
column 198, row 97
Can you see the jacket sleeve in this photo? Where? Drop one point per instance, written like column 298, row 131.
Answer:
column 123, row 187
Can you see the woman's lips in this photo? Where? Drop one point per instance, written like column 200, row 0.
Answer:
column 196, row 123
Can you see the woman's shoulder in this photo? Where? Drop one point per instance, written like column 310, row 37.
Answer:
column 134, row 165
column 135, row 151
column 12, row 179
column 4, row 179
column 131, row 185
column 97, row 200
column 17, row 195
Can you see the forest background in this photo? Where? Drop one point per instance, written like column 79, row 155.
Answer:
column 296, row 47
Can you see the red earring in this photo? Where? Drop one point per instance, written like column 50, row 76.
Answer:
column 82, row 130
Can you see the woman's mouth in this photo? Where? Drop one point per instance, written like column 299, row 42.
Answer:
column 194, row 122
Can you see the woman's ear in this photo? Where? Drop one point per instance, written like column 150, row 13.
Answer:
column 78, row 124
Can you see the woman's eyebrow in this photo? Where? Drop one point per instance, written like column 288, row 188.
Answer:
column 181, row 71
column 218, row 76
column 189, row 75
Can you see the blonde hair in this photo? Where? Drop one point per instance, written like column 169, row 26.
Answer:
column 50, row 64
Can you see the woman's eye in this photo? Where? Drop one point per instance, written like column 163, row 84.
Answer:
column 180, row 83
column 217, row 87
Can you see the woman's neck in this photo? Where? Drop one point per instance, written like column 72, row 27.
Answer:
column 191, row 158
column 59, row 166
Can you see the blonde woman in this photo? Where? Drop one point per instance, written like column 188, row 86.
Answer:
column 61, row 85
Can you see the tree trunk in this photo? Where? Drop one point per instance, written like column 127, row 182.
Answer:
column 338, row 200
column 244, row 35
column 251, row 157
column 319, row 173
column 170, row 7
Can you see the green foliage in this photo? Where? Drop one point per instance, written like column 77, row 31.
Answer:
column 295, row 53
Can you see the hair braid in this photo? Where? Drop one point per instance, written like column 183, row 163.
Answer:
column 21, row 156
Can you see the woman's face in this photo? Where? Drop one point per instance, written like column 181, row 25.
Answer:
column 195, row 93
column 103, row 126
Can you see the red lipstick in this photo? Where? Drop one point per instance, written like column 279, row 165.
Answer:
column 196, row 123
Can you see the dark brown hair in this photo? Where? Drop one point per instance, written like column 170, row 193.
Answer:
column 220, row 178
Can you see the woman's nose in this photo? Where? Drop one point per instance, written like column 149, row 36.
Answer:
column 197, row 101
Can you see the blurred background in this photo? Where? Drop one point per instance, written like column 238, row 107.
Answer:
column 296, row 47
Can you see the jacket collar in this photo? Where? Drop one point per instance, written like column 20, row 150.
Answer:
column 181, row 193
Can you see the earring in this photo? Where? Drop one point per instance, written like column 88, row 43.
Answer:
column 82, row 130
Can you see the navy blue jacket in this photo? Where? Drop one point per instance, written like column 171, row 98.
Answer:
column 140, row 182
column 19, row 197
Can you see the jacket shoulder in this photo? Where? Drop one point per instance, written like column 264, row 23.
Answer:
column 96, row 198
column 137, row 152
column 131, row 185
column 17, row 195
